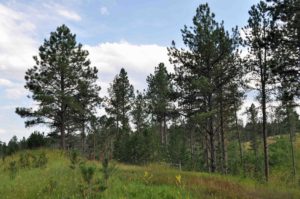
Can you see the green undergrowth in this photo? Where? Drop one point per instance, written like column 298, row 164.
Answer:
column 59, row 180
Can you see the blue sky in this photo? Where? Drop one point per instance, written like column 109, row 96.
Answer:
column 118, row 33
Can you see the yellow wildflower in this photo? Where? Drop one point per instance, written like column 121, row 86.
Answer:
column 178, row 179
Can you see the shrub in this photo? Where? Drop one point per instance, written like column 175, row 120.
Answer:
column 74, row 159
column 87, row 173
column 107, row 171
column 13, row 169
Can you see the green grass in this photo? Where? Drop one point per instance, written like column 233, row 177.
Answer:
column 58, row 180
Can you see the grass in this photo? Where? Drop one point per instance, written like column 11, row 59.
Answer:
column 58, row 180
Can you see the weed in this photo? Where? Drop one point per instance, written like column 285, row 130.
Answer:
column 147, row 177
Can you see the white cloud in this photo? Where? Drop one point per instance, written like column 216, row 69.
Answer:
column 5, row 82
column 2, row 131
column 138, row 60
column 12, row 90
column 141, row 58
column 69, row 14
column 15, row 93
column 16, row 43
column 62, row 11
column 104, row 10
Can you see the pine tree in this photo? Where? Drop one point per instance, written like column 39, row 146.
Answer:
column 139, row 112
column 159, row 96
column 54, row 80
column 253, row 122
column 287, row 99
column 259, row 60
column 119, row 105
column 121, row 95
column 203, row 71
column 286, row 50
column 87, row 100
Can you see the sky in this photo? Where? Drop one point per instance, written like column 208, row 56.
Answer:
column 133, row 34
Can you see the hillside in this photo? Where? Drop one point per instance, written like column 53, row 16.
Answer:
column 58, row 180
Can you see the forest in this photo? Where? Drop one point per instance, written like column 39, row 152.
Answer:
column 188, row 119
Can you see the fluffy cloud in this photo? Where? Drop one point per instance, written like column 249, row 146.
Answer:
column 16, row 43
column 138, row 60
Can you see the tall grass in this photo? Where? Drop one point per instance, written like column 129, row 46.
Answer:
column 58, row 180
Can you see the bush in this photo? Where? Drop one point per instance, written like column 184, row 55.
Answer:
column 13, row 169
column 107, row 171
column 74, row 159
column 87, row 173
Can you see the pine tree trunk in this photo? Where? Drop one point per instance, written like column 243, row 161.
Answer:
column 255, row 146
column 223, row 147
column 291, row 132
column 206, row 152
column 165, row 131
column 192, row 145
column 264, row 117
column 82, row 137
column 239, row 139
column 62, row 133
column 211, row 137
column 263, row 75
column 62, row 114
column 161, row 132
column 94, row 145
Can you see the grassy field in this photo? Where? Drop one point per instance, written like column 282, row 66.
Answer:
column 58, row 180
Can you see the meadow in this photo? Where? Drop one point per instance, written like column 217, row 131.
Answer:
column 56, row 179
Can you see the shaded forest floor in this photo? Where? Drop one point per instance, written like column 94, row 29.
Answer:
column 58, row 180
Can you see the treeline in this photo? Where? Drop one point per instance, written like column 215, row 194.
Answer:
column 35, row 140
column 187, row 118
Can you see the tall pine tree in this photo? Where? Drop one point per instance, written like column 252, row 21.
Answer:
column 61, row 66
column 203, row 71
